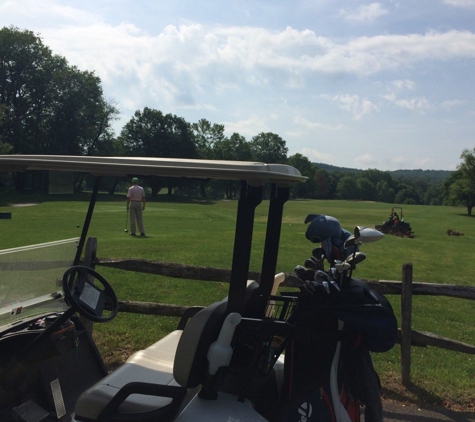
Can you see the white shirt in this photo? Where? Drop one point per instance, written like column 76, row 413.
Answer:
column 136, row 193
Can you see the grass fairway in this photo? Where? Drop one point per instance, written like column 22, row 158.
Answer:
column 201, row 233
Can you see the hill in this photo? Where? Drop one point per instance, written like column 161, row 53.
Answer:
column 430, row 176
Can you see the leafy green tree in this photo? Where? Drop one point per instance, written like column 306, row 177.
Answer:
column 234, row 148
column 150, row 133
column 269, row 148
column 4, row 147
column 348, row 188
column 384, row 192
column 433, row 195
column 407, row 195
column 308, row 169
column 329, row 189
column 49, row 106
column 460, row 186
column 366, row 189
column 375, row 176
column 206, row 135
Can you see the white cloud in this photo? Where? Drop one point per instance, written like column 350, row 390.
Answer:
column 50, row 13
column 402, row 84
column 469, row 4
column 451, row 104
column 365, row 13
column 419, row 104
column 355, row 105
column 391, row 97
column 422, row 162
column 315, row 155
column 400, row 161
column 314, row 126
column 248, row 127
column 365, row 161
column 414, row 104
column 245, row 55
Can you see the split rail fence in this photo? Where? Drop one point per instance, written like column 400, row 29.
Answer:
column 407, row 337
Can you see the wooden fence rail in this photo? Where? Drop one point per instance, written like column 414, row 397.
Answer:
column 406, row 288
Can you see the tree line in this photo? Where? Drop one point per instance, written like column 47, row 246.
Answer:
column 48, row 106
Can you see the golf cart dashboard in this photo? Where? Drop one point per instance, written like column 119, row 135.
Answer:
column 28, row 324
column 33, row 373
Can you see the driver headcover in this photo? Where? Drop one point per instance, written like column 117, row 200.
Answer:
column 326, row 230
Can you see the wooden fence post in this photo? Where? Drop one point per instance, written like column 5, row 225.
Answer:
column 406, row 323
column 89, row 258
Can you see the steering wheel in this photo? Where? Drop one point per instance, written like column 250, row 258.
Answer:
column 88, row 298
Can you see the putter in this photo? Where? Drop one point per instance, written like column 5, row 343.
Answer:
column 126, row 219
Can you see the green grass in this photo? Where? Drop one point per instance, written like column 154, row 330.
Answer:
column 201, row 233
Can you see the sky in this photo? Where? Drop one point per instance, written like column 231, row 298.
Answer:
column 385, row 85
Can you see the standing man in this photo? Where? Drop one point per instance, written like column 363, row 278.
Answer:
column 136, row 204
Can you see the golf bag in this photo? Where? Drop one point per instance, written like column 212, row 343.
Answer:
column 328, row 367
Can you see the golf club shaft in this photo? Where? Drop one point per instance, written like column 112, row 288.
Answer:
column 126, row 219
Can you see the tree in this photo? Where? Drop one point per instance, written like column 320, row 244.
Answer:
column 306, row 168
column 366, row 188
column 348, row 188
column 269, row 148
column 150, row 133
column 375, row 176
column 4, row 147
column 206, row 135
column 433, row 195
column 460, row 186
column 49, row 106
column 407, row 194
column 326, row 184
column 384, row 192
column 235, row 148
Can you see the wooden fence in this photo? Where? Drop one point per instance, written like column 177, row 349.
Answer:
column 407, row 337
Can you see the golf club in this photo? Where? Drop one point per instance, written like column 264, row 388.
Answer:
column 126, row 219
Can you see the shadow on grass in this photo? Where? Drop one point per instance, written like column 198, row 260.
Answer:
column 416, row 404
column 411, row 393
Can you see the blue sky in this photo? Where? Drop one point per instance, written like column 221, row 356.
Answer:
column 387, row 85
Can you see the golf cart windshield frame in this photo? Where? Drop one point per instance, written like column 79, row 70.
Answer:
column 252, row 175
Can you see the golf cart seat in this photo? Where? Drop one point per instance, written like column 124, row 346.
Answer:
column 155, row 383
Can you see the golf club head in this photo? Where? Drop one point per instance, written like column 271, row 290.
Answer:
column 318, row 253
column 351, row 241
column 311, row 264
column 355, row 259
column 322, row 275
column 293, row 281
column 368, row 234
column 342, row 266
column 314, row 263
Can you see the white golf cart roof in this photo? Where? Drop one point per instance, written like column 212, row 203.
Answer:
column 252, row 172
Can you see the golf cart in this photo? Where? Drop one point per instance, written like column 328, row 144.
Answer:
column 49, row 365
column 223, row 363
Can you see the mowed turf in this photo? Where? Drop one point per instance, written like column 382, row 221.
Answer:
column 199, row 232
